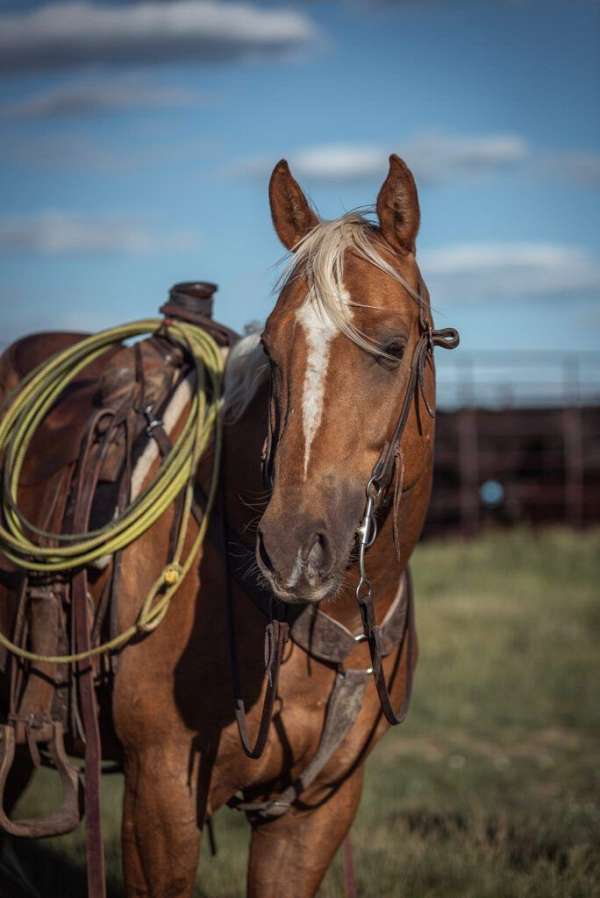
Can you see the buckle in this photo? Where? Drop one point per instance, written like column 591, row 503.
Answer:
column 151, row 422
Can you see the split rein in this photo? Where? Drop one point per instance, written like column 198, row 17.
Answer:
column 63, row 553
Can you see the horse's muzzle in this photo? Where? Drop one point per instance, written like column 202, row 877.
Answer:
column 300, row 561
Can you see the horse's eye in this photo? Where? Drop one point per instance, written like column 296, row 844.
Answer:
column 393, row 352
column 395, row 348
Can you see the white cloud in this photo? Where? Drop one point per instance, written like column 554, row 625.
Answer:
column 438, row 157
column 432, row 158
column 83, row 98
column 59, row 35
column 339, row 162
column 513, row 270
column 580, row 166
column 55, row 233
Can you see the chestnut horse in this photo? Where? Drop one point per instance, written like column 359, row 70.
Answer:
column 344, row 352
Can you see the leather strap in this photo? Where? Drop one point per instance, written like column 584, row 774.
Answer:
column 276, row 636
column 326, row 639
column 448, row 339
column 375, row 638
column 329, row 641
column 94, row 850
column 82, row 627
column 343, row 708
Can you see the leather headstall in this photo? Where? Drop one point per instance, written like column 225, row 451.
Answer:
column 377, row 493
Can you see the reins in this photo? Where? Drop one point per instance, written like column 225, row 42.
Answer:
column 275, row 639
column 69, row 552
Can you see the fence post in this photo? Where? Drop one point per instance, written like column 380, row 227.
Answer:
column 573, row 442
column 468, row 458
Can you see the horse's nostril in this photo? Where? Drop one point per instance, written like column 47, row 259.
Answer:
column 294, row 558
column 318, row 560
column 262, row 551
column 316, row 552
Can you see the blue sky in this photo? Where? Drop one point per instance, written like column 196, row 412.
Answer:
column 137, row 141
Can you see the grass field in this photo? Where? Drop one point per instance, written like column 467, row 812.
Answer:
column 491, row 789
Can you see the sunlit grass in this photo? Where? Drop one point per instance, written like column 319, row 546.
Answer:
column 491, row 788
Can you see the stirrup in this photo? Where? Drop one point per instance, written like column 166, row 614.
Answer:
column 68, row 816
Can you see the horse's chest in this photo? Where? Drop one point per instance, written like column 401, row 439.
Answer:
column 294, row 735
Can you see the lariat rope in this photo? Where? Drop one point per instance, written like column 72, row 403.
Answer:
column 65, row 552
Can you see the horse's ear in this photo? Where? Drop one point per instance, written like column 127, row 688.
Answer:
column 398, row 207
column 292, row 216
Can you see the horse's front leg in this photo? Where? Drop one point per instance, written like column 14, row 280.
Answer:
column 289, row 856
column 160, row 835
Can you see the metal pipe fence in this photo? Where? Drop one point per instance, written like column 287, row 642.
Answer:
column 518, row 439
column 507, row 379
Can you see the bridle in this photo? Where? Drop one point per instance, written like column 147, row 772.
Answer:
column 378, row 486
column 377, row 493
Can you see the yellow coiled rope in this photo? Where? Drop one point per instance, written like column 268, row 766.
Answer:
column 65, row 552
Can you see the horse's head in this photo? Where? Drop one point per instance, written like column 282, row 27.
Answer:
column 341, row 342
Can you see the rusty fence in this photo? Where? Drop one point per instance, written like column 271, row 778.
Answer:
column 518, row 439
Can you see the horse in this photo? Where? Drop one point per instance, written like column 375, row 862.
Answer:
column 328, row 433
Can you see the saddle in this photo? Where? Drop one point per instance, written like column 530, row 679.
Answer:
column 76, row 477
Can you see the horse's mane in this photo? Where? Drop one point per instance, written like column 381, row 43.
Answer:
column 247, row 368
column 319, row 258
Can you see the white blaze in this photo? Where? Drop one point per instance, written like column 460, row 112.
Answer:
column 319, row 331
